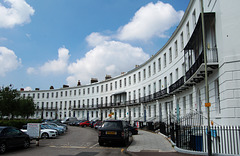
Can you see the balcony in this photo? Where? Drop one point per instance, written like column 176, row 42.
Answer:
column 78, row 108
column 160, row 94
column 105, row 105
column 195, row 66
column 196, row 72
column 178, row 86
column 193, row 51
column 118, row 104
column 49, row 108
column 132, row 102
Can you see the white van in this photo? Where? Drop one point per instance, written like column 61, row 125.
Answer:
column 69, row 119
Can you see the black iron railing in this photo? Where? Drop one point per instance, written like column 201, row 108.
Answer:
column 195, row 66
column 225, row 139
column 212, row 57
column 177, row 84
column 189, row 133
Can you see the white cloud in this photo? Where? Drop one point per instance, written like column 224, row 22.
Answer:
column 149, row 21
column 58, row 66
column 109, row 57
column 31, row 70
column 95, row 39
column 18, row 13
column 8, row 61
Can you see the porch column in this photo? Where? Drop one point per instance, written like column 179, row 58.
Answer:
column 157, row 111
column 142, row 111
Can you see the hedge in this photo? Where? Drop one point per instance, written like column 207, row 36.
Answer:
column 18, row 123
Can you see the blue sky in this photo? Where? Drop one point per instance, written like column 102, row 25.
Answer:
column 50, row 43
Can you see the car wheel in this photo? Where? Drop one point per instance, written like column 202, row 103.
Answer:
column 101, row 143
column 126, row 141
column 26, row 143
column 3, row 148
column 45, row 136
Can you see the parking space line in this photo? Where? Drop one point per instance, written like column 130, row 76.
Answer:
column 68, row 147
column 93, row 145
column 84, row 147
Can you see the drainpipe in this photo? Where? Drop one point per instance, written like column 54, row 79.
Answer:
column 207, row 104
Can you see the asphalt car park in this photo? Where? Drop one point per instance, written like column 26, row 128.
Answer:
column 76, row 141
column 61, row 136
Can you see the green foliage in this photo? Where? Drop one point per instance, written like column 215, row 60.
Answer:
column 26, row 107
column 8, row 101
column 18, row 123
column 11, row 104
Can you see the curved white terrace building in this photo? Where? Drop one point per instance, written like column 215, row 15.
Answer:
column 171, row 83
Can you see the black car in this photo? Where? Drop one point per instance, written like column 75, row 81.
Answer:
column 12, row 137
column 113, row 131
column 133, row 130
column 92, row 123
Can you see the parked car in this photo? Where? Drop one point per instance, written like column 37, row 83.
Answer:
column 76, row 123
column 113, row 131
column 72, row 123
column 92, row 123
column 56, row 125
column 12, row 137
column 98, row 124
column 84, row 124
column 44, row 133
column 133, row 130
column 46, row 126
column 59, row 123
column 69, row 119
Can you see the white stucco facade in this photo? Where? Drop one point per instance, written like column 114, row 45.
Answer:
column 171, row 82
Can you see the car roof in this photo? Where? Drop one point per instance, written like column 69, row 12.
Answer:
column 3, row 126
column 113, row 120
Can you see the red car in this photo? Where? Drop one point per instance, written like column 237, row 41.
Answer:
column 84, row 124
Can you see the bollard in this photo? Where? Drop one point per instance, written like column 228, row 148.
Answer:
column 37, row 141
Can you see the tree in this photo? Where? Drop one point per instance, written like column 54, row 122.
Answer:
column 26, row 107
column 11, row 104
column 8, row 101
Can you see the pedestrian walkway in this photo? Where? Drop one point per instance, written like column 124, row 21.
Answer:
column 147, row 141
column 152, row 144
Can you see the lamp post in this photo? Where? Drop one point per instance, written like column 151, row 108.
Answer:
column 207, row 104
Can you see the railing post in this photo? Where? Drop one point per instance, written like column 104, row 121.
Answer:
column 177, row 135
column 172, row 132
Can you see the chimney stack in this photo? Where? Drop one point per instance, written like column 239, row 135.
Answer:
column 79, row 83
column 108, row 77
column 65, row 86
column 94, row 80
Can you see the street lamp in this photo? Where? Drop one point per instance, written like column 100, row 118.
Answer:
column 207, row 104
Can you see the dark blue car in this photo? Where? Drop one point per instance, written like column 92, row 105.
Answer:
column 12, row 137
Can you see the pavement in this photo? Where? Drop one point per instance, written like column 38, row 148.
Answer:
column 151, row 144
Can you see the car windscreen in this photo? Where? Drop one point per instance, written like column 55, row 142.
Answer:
column 1, row 129
column 112, row 125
